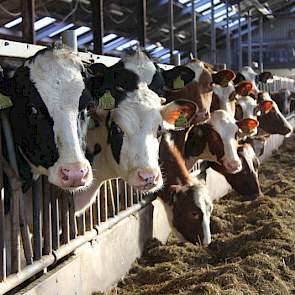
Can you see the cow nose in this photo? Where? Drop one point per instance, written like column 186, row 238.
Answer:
column 74, row 174
column 149, row 177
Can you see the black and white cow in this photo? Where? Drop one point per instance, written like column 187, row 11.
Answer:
column 49, row 118
column 128, row 133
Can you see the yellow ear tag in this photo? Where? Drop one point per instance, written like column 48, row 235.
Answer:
column 178, row 83
column 5, row 102
column 224, row 83
column 107, row 101
column 181, row 121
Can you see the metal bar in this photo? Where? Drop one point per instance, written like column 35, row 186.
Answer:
column 37, row 229
column 73, row 222
column 117, row 196
column 228, row 47
column 240, row 52
column 97, row 25
column 261, row 44
column 142, row 23
column 131, row 196
column 126, row 195
column 249, row 38
column 69, row 39
column 28, row 14
column 65, row 236
column 54, row 218
column 105, row 200
column 47, row 217
column 88, row 219
column 2, row 220
column 171, row 29
column 98, row 206
column 194, row 29
column 111, row 194
column 213, row 35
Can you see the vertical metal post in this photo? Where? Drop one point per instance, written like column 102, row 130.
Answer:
column 213, row 35
column 171, row 29
column 194, row 29
column 261, row 44
column 2, row 221
column 28, row 14
column 240, row 52
column 69, row 38
column 97, row 25
column 228, row 49
column 142, row 23
column 249, row 39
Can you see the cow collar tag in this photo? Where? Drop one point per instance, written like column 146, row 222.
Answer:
column 178, row 83
column 107, row 101
column 5, row 102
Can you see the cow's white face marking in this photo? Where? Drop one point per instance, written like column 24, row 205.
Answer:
column 140, row 64
column 58, row 79
column 224, row 94
column 225, row 124
column 198, row 68
column 250, row 75
column 248, row 105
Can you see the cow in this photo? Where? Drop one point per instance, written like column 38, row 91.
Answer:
column 49, row 118
column 224, row 92
column 199, row 90
column 215, row 140
column 271, row 120
column 186, row 199
column 246, row 181
column 130, row 127
column 283, row 100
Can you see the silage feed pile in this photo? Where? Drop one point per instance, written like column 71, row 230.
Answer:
column 252, row 249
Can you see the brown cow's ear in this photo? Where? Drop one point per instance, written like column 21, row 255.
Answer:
column 265, row 106
column 264, row 76
column 179, row 113
column 244, row 88
column 223, row 77
column 178, row 77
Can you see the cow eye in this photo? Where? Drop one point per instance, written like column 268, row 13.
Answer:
column 195, row 214
column 34, row 111
column 119, row 130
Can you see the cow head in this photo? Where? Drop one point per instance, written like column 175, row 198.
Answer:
column 246, row 109
column 49, row 117
column 132, row 128
column 215, row 140
column 199, row 90
column 223, row 91
column 272, row 120
column 190, row 211
column 246, row 181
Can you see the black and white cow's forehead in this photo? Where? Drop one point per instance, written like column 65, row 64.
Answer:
column 56, row 74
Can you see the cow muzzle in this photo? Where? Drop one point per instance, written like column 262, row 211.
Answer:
column 146, row 179
column 233, row 166
column 74, row 175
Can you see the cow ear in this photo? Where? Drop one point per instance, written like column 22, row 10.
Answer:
column 238, row 113
column 178, row 77
column 178, row 114
column 223, row 77
column 244, row 88
column 264, row 76
column 239, row 78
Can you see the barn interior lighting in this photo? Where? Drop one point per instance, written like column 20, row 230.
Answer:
column 158, row 49
column 222, row 17
column 215, row 8
column 127, row 45
column 150, row 47
column 183, row 1
column 160, row 52
column 61, row 30
column 43, row 22
column 236, row 22
column 82, row 30
column 109, row 37
column 13, row 23
column 205, row 6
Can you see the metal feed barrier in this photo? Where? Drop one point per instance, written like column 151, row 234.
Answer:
column 40, row 227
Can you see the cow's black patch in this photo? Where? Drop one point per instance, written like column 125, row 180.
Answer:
column 115, row 138
column 239, row 77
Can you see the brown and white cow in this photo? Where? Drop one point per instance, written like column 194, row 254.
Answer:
column 216, row 140
column 199, row 90
column 271, row 120
column 246, row 181
column 129, row 132
column 186, row 199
